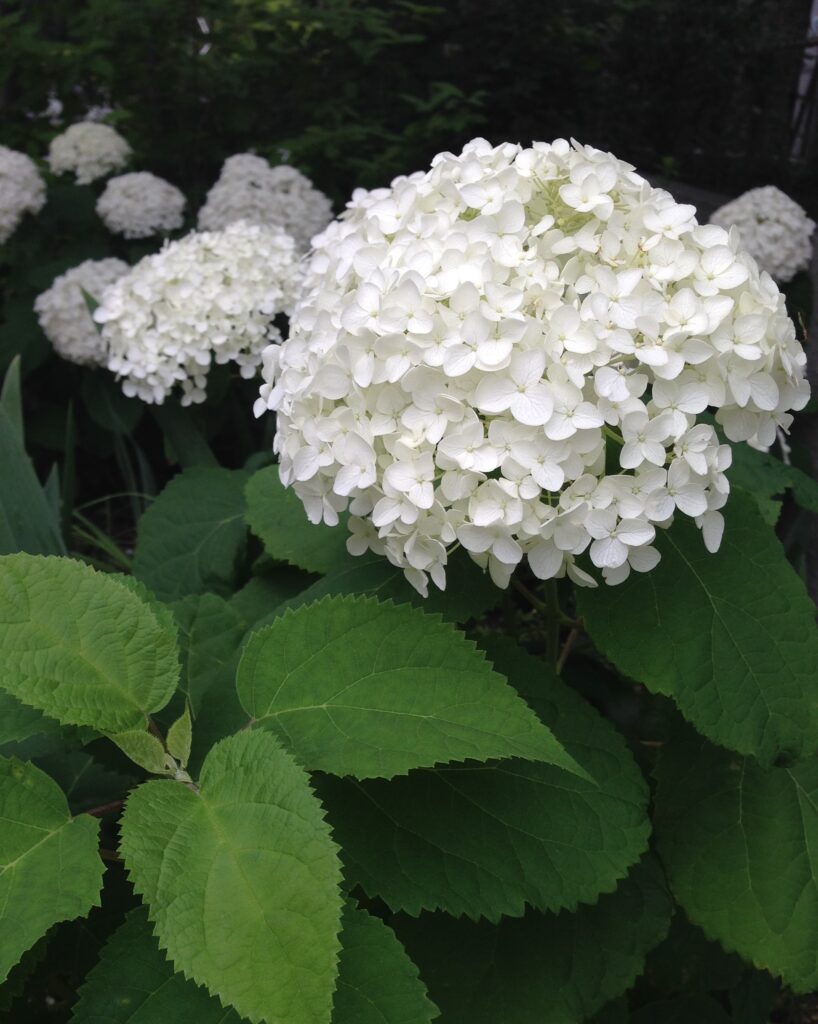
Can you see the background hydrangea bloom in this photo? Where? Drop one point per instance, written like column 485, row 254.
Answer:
column 511, row 351
column 22, row 190
column 140, row 204
column 89, row 150
column 774, row 229
column 64, row 315
column 209, row 297
column 250, row 189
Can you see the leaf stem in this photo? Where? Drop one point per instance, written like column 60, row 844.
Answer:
column 571, row 639
column 103, row 809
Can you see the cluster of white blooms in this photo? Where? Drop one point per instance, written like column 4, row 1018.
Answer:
column 88, row 149
column 22, row 190
column 141, row 204
column 209, row 297
column 64, row 314
column 774, row 230
column 510, row 352
column 250, row 189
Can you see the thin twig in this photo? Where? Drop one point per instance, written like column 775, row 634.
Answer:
column 111, row 855
column 103, row 809
column 571, row 639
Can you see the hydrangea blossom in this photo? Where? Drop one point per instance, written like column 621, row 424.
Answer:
column 64, row 314
column 209, row 297
column 22, row 190
column 774, row 230
column 250, row 189
column 511, row 352
column 141, row 204
column 88, row 149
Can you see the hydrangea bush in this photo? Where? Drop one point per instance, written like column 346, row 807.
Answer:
column 208, row 298
column 250, row 189
column 774, row 229
column 140, row 204
column 254, row 768
column 512, row 353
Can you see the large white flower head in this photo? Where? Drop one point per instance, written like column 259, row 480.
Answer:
column 64, row 314
column 209, row 297
column 511, row 351
column 250, row 189
column 774, row 229
column 89, row 150
column 22, row 190
column 140, row 204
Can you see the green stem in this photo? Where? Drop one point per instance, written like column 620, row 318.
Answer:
column 612, row 434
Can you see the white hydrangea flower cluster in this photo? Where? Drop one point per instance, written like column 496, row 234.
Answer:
column 64, row 314
column 208, row 297
column 511, row 351
column 89, row 150
column 22, row 190
column 250, row 189
column 141, row 204
column 774, row 229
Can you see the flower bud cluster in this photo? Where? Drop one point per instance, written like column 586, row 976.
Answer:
column 514, row 352
column 250, row 189
column 207, row 298
column 774, row 230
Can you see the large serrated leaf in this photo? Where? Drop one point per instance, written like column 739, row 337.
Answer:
column 193, row 537
column 740, row 846
column 49, row 867
column 543, row 968
column 210, row 634
column 377, row 982
column 242, row 880
column 134, row 983
column 80, row 647
column 358, row 687
column 525, row 833
column 730, row 637
column 276, row 515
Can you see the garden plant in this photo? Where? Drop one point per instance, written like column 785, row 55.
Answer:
column 433, row 645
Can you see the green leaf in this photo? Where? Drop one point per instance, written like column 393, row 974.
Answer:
column 377, row 982
column 740, row 846
column 357, row 687
column 526, row 833
column 27, row 520
column 242, row 880
column 682, row 1009
column 180, row 737
column 81, row 647
column 543, row 968
column 765, row 477
column 183, row 437
column 11, row 398
column 192, row 539
column 49, row 868
column 469, row 591
column 143, row 749
column 276, row 515
column 210, row 635
column 19, row 722
column 730, row 637
column 134, row 983
column 265, row 592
